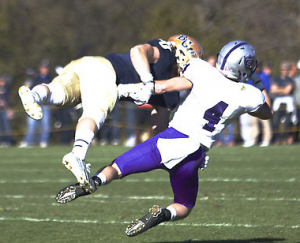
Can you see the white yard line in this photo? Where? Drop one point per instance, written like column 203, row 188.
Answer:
column 105, row 196
column 8, row 208
column 164, row 224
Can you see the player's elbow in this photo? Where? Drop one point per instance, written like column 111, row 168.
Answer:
column 135, row 51
column 265, row 112
column 138, row 49
column 267, row 115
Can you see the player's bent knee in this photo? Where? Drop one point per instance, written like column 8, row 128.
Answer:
column 97, row 116
column 116, row 167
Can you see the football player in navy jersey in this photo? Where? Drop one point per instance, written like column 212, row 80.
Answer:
column 217, row 97
column 93, row 81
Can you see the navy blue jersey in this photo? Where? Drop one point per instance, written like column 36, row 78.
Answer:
column 163, row 69
column 281, row 83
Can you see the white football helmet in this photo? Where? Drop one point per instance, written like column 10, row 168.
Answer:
column 237, row 60
column 186, row 48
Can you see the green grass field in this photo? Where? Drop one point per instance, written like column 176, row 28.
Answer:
column 246, row 195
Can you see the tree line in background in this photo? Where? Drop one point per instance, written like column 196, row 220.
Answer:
column 63, row 30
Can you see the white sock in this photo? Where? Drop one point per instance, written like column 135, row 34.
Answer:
column 40, row 94
column 83, row 139
column 102, row 177
column 173, row 212
column 56, row 94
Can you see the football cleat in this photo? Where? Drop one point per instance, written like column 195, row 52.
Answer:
column 141, row 225
column 79, row 169
column 31, row 108
column 74, row 191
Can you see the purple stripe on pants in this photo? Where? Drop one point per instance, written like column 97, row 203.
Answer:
column 183, row 177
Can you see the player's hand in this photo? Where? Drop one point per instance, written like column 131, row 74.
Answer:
column 143, row 95
column 204, row 163
column 124, row 90
column 140, row 92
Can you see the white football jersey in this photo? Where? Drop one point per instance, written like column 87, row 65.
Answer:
column 213, row 103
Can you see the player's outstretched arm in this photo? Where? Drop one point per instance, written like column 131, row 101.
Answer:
column 142, row 92
column 173, row 84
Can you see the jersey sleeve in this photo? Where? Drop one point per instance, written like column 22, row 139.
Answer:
column 255, row 99
column 161, row 44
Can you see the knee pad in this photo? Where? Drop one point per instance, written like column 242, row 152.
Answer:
column 68, row 82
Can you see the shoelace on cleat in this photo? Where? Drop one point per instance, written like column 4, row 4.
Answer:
column 88, row 167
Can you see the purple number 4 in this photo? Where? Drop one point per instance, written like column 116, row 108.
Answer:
column 213, row 115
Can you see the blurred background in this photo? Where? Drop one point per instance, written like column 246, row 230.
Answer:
column 51, row 33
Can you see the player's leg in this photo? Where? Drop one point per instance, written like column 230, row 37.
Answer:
column 71, row 192
column 107, row 174
column 64, row 89
column 42, row 94
column 98, row 94
column 141, row 158
column 154, row 217
column 184, row 181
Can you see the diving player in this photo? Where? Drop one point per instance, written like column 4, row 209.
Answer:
column 217, row 97
column 93, row 82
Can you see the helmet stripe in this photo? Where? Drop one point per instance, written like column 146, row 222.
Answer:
column 228, row 53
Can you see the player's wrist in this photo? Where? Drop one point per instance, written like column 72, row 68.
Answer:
column 146, row 77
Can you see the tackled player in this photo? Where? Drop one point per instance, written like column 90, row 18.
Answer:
column 93, row 82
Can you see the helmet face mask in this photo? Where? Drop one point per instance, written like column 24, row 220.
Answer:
column 237, row 61
column 186, row 48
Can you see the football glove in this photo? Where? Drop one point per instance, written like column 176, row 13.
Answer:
column 140, row 92
column 125, row 89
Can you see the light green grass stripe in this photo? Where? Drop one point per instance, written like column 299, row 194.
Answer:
column 254, row 168
column 164, row 224
column 288, row 180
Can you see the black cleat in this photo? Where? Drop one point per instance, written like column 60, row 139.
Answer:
column 73, row 191
column 151, row 219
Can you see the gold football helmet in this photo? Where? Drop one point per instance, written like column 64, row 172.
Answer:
column 186, row 48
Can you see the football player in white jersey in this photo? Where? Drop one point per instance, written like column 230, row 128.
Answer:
column 93, row 82
column 216, row 98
